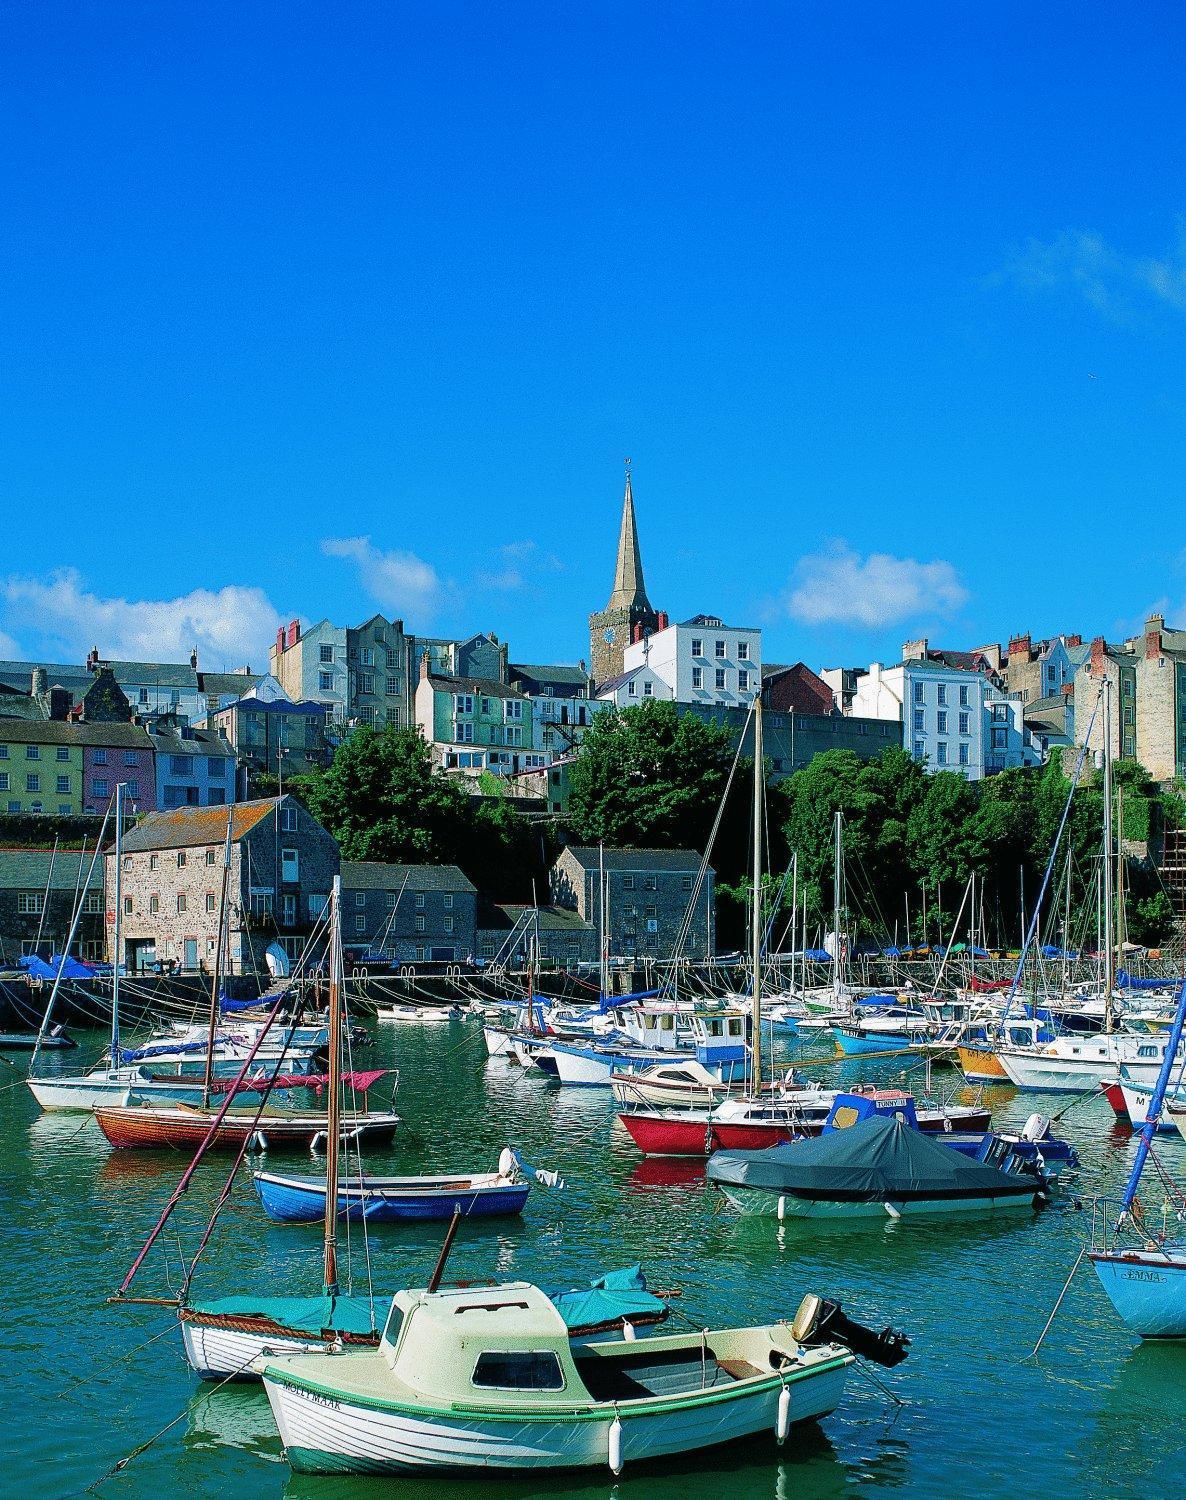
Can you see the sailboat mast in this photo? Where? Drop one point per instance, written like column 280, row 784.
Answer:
column 837, row 956
column 604, row 944
column 119, row 918
column 756, row 907
column 333, row 1111
column 216, row 976
column 1108, row 891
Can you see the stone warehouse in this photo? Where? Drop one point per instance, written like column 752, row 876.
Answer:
column 652, row 898
column 282, row 866
column 409, row 913
column 38, row 892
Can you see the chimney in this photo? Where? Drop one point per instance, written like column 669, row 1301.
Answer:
column 1098, row 647
column 1155, row 622
column 92, row 660
column 39, row 681
column 1074, row 640
column 280, row 640
column 636, row 634
column 424, row 668
column 1021, row 646
column 1153, row 628
column 193, row 659
column 294, row 632
column 915, row 650
column 663, row 620
column 60, row 702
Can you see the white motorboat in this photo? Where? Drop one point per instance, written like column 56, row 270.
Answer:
column 486, row 1377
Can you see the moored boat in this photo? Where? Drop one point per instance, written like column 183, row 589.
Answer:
column 183, row 1127
column 488, row 1377
column 378, row 1200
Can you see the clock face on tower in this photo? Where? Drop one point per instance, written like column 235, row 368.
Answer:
column 608, row 635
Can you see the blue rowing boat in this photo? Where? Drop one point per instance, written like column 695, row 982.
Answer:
column 295, row 1198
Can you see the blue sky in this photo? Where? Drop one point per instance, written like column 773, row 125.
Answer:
column 317, row 309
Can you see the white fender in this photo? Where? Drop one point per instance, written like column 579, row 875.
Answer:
column 629, row 1333
column 318, row 1140
column 782, row 1423
column 891, row 1210
column 615, row 1446
column 506, row 1162
column 782, row 1207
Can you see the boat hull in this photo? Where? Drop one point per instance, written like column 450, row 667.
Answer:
column 294, row 1201
column 173, row 1130
column 768, row 1204
column 1147, row 1290
column 78, row 1096
column 218, row 1352
column 981, row 1066
column 325, row 1432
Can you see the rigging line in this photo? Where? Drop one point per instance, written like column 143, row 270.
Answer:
column 1033, row 1354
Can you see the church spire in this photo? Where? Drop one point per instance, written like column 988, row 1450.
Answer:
column 629, row 590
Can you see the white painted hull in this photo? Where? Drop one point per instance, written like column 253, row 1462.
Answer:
column 227, row 1353
column 323, row 1434
column 498, row 1042
column 1079, row 1070
column 78, row 1096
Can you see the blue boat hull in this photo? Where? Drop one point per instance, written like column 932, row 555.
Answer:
column 1147, row 1290
column 855, row 1046
column 294, row 1203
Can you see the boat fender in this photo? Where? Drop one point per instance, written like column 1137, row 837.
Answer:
column 782, row 1207
column 892, row 1211
column 782, row 1423
column 629, row 1333
column 318, row 1141
column 506, row 1162
column 615, row 1445
column 1035, row 1128
column 258, row 1141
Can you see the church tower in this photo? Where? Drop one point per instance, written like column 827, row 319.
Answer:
column 629, row 610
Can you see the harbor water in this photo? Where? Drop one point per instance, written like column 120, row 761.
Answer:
column 87, row 1382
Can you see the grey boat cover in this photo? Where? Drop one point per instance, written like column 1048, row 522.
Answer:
column 878, row 1159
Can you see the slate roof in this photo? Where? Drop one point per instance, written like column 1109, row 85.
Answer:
column 193, row 742
column 538, row 675
column 374, row 875
column 29, row 869
column 154, row 673
column 550, row 918
column 256, row 705
column 222, row 684
column 61, row 732
column 188, row 827
column 479, row 686
column 19, row 674
column 612, row 684
column 681, row 860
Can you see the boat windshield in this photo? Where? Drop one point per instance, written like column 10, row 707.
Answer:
column 519, row 1372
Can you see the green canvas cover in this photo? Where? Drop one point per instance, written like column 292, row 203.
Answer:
column 303, row 1314
column 608, row 1299
column 878, row 1159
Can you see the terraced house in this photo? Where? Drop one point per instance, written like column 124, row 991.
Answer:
column 475, row 724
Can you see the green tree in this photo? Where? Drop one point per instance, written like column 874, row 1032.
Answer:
column 382, row 799
column 648, row 775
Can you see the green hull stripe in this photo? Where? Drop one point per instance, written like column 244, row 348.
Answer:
column 646, row 1407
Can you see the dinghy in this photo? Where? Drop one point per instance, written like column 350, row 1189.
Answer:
column 384, row 1200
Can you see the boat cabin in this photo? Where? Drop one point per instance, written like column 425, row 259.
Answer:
column 720, row 1037
column 850, row 1109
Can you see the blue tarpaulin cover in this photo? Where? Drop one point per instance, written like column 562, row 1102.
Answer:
column 1128, row 981
column 40, row 968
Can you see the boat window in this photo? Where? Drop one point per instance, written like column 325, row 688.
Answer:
column 394, row 1326
column 1147, row 1052
column 519, row 1372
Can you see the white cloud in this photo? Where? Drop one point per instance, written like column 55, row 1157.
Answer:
column 400, row 582
column 840, row 586
column 1110, row 280
column 9, row 648
column 228, row 626
column 522, row 562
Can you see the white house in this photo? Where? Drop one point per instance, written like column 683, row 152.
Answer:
column 701, row 660
column 953, row 717
column 635, row 685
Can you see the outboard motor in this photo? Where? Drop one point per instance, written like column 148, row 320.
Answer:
column 1035, row 1128
column 821, row 1321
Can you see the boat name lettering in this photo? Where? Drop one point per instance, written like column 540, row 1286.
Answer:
column 1143, row 1276
column 321, row 1400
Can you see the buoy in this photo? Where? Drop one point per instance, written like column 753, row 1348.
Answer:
column 615, row 1446
column 782, row 1423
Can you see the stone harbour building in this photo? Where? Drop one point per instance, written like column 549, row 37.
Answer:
column 647, row 896
column 282, row 867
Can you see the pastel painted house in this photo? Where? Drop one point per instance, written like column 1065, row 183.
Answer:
column 114, row 753
column 475, row 725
